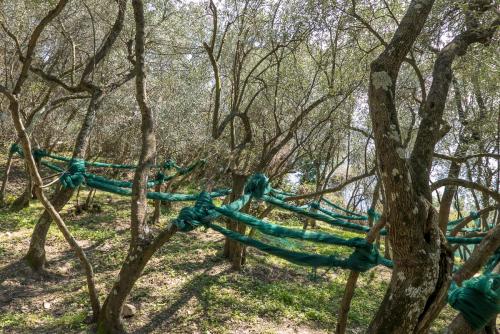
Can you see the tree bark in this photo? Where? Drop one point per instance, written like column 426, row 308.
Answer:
column 233, row 250
column 5, row 179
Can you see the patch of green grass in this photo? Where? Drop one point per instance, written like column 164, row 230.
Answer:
column 10, row 319
column 26, row 218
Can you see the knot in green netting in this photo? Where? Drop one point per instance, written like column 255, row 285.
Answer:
column 39, row 153
column 478, row 299
column 474, row 215
column 75, row 175
column 364, row 258
column 190, row 218
column 373, row 214
column 15, row 148
column 169, row 164
column 160, row 177
column 315, row 205
column 257, row 185
column 492, row 262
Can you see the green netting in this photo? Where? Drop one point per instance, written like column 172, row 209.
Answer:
column 317, row 206
column 318, row 216
column 364, row 257
column 52, row 166
column 75, row 175
column 284, row 232
column 15, row 148
column 360, row 260
column 41, row 153
column 335, row 206
column 162, row 196
column 492, row 262
column 473, row 214
column 464, row 240
column 478, row 299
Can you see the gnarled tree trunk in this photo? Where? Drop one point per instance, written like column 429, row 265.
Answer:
column 422, row 260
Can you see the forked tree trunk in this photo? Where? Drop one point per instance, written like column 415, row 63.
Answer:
column 36, row 253
column 422, row 260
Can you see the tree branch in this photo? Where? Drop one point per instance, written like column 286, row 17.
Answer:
column 465, row 184
column 332, row 190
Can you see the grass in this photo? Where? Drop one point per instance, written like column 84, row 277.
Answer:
column 186, row 288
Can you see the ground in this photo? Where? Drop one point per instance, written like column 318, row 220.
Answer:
column 186, row 288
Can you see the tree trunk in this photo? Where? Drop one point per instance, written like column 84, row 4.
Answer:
column 36, row 253
column 233, row 250
column 35, row 257
column 142, row 246
column 110, row 316
column 350, row 286
column 422, row 260
column 5, row 179
column 23, row 201
column 35, row 176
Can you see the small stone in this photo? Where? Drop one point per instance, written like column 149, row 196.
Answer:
column 46, row 305
column 128, row 310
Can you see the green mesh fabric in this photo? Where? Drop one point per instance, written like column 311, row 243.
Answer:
column 317, row 206
column 335, row 206
column 38, row 154
column 373, row 214
column 168, row 164
column 52, row 166
column 474, row 215
column 16, row 149
column 257, row 185
column 355, row 262
column 464, row 240
column 75, row 175
column 478, row 299
column 364, row 257
column 284, row 232
column 318, row 216
column 492, row 262
column 161, row 196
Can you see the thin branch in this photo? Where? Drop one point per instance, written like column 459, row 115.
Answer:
column 466, row 184
column 334, row 189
